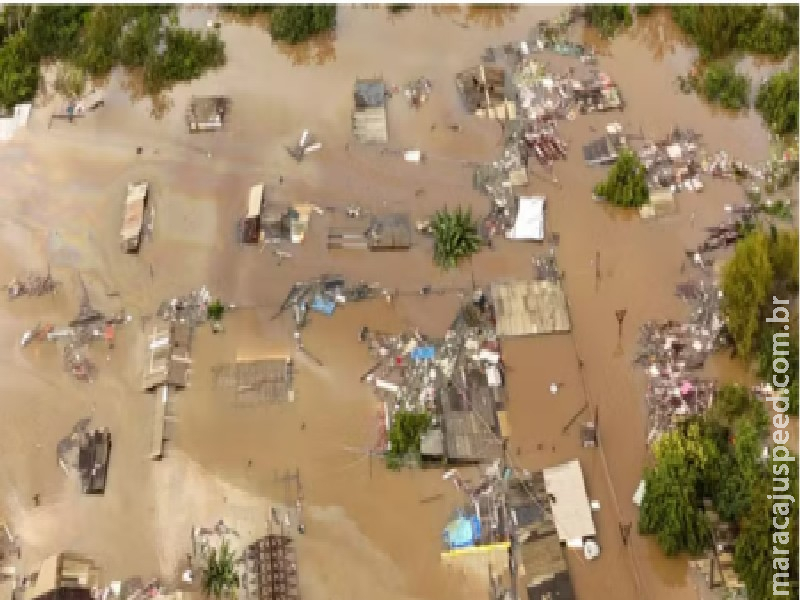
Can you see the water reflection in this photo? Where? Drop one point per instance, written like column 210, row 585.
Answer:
column 491, row 15
column 319, row 50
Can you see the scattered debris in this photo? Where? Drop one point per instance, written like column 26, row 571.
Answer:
column 305, row 145
column 32, row 285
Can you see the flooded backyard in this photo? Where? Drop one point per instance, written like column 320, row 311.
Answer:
column 370, row 532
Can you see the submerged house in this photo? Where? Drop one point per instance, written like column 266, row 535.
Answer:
column 64, row 576
column 529, row 307
column 168, row 357
column 370, row 119
column 93, row 453
column 485, row 92
column 133, row 216
column 384, row 233
column 206, row 113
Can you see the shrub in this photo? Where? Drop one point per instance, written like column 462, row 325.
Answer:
column 721, row 84
column 608, row 18
column 777, row 101
column 19, row 70
column 297, row 23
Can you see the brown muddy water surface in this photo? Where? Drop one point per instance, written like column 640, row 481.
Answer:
column 369, row 535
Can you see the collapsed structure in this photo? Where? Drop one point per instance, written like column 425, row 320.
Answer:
column 369, row 117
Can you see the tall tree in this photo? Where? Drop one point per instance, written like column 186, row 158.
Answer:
column 671, row 507
column 746, row 283
column 626, row 184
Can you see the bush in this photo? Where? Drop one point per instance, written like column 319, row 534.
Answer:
column 608, row 18
column 19, row 70
column 626, row 184
column 777, row 101
column 644, row 9
column 248, row 10
column 405, row 436
column 721, row 84
column 455, row 237
column 297, row 23
column 186, row 56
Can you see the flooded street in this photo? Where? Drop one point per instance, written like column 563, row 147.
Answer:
column 371, row 533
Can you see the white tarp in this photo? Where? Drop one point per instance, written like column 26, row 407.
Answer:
column 254, row 201
column 572, row 512
column 9, row 125
column 412, row 156
column 529, row 224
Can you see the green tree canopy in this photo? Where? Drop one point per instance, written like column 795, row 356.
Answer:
column 220, row 578
column 455, row 237
column 721, row 84
column 295, row 23
column 19, row 70
column 405, row 435
column 746, row 283
column 672, row 505
column 626, row 184
column 721, row 29
column 777, row 101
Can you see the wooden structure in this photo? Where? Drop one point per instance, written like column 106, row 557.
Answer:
column 483, row 91
column 369, row 119
column 662, row 203
column 169, row 356
column 133, row 217
column 207, row 113
column 529, row 308
column 256, row 381
column 389, row 232
column 271, row 569
column 93, row 454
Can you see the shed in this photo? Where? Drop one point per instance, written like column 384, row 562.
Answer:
column 572, row 512
column 528, row 307
column 169, row 356
column 64, row 576
column 483, row 91
column 369, row 119
column 133, row 217
column 206, row 113
column 529, row 224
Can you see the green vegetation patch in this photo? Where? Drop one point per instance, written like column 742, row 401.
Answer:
column 455, row 237
column 405, row 436
column 95, row 39
column 291, row 23
column 777, row 102
column 720, row 84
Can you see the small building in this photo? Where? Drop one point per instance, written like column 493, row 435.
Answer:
column 603, row 151
column 526, row 307
column 251, row 226
column 389, row 232
column 169, row 357
column 93, row 454
column 64, row 576
column 206, row 113
column 274, row 224
column 133, row 216
column 529, row 222
column 370, row 119
column 484, row 91
column 299, row 219
column 572, row 512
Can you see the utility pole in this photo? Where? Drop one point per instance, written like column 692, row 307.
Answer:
column 620, row 319
column 597, row 271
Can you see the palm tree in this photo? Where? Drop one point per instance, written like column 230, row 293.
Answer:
column 455, row 237
column 220, row 577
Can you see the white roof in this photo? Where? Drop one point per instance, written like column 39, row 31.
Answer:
column 571, row 510
column 530, row 220
column 133, row 217
column 254, row 201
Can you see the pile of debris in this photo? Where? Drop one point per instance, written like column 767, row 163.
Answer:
column 191, row 309
column 672, row 162
column 417, row 92
column 741, row 218
column 670, row 351
column 323, row 294
column 32, row 285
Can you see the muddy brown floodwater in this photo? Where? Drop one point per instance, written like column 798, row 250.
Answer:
column 369, row 533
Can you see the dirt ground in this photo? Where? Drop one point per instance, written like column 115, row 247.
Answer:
column 370, row 532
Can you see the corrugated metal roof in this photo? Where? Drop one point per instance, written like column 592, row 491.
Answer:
column 571, row 510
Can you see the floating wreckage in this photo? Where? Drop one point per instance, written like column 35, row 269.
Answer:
column 32, row 285
column 417, row 92
column 306, row 145
column 323, row 294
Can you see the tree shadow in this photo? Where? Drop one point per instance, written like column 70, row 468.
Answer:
column 160, row 103
column 319, row 50
column 491, row 15
column 445, row 10
column 659, row 34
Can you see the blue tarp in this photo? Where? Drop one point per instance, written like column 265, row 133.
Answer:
column 423, row 353
column 462, row 532
column 323, row 305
